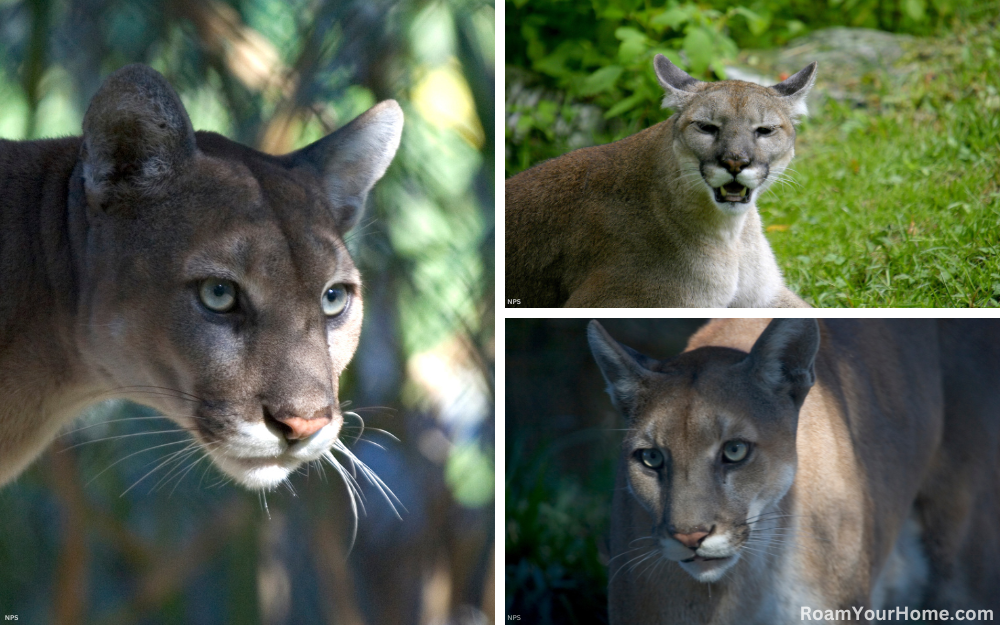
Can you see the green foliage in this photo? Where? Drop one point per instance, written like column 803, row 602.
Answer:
column 554, row 572
column 898, row 203
column 603, row 52
column 600, row 54
column 781, row 20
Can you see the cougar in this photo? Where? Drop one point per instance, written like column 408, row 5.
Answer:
column 791, row 471
column 666, row 217
column 186, row 272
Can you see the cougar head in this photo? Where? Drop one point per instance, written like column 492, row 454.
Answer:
column 738, row 137
column 215, row 285
column 710, row 448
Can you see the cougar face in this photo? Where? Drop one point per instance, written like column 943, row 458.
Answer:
column 736, row 136
column 246, row 314
column 216, row 285
column 710, row 449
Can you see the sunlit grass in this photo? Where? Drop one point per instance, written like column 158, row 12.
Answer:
column 898, row 203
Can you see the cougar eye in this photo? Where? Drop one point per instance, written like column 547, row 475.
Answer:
column 734, row 451
column 652, row 458
column 218, row 294
column 335, row 299
column 764, row 131
column 708, row 129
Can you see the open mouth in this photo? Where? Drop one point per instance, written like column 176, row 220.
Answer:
column 733, row 192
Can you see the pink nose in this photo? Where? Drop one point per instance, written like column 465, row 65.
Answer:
column 692, row 540
column 735, row 164
column 296, row 427
column 304, row 428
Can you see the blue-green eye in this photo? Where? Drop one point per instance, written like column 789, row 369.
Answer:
column 335, row 299
column 218, row 294
column 652, row 458
column 734, row 451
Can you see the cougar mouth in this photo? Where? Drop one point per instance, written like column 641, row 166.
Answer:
column 733, row 192
column 705, row 559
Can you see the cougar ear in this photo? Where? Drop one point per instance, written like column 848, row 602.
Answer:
column 354, row 157
column 624, row 369
column 783, row 358
column 678, row 85
column 136, row 133
column 794, row 89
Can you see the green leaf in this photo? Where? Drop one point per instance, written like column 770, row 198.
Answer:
column 555, row 63
column 699, row 49
column 674, row 17
column 634, row 43
column 794, row 27
column 469, row 472
column 626, row 33
column 625, row 105
column 630, row 50
column 915, row 9
column 756, row 22
column 612, row 14
column 601, row 80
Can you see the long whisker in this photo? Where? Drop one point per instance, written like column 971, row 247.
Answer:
column 107, row 421
column 178, row 463
column 120, row 436
column 370, row 475
column 168, row 459
column 179, row 479
column 135, row 453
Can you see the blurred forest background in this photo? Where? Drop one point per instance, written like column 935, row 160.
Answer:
column 563, row 439
column 92, row 533
column 895, row 199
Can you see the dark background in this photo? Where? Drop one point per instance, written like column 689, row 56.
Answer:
column 562, row 445
column 98, row 531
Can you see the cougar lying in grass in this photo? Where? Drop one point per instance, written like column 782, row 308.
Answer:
column 185, row 272
column 666, row 217
column 779, row 467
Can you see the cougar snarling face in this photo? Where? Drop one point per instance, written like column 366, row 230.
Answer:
column 736, row 137
column 215, row 284
column 710, row 448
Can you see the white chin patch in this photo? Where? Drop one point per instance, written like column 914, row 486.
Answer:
column 260, row 459
column 263, row 477
column 256, row 473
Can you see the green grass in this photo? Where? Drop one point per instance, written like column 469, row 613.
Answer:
column 897, row 203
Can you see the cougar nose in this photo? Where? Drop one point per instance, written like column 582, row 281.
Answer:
column 296, row 427
column 692, row 540
column 735, row 164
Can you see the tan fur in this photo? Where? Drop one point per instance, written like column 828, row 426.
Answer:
column 636, row 223
column 104, row 241
column 893, row 452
